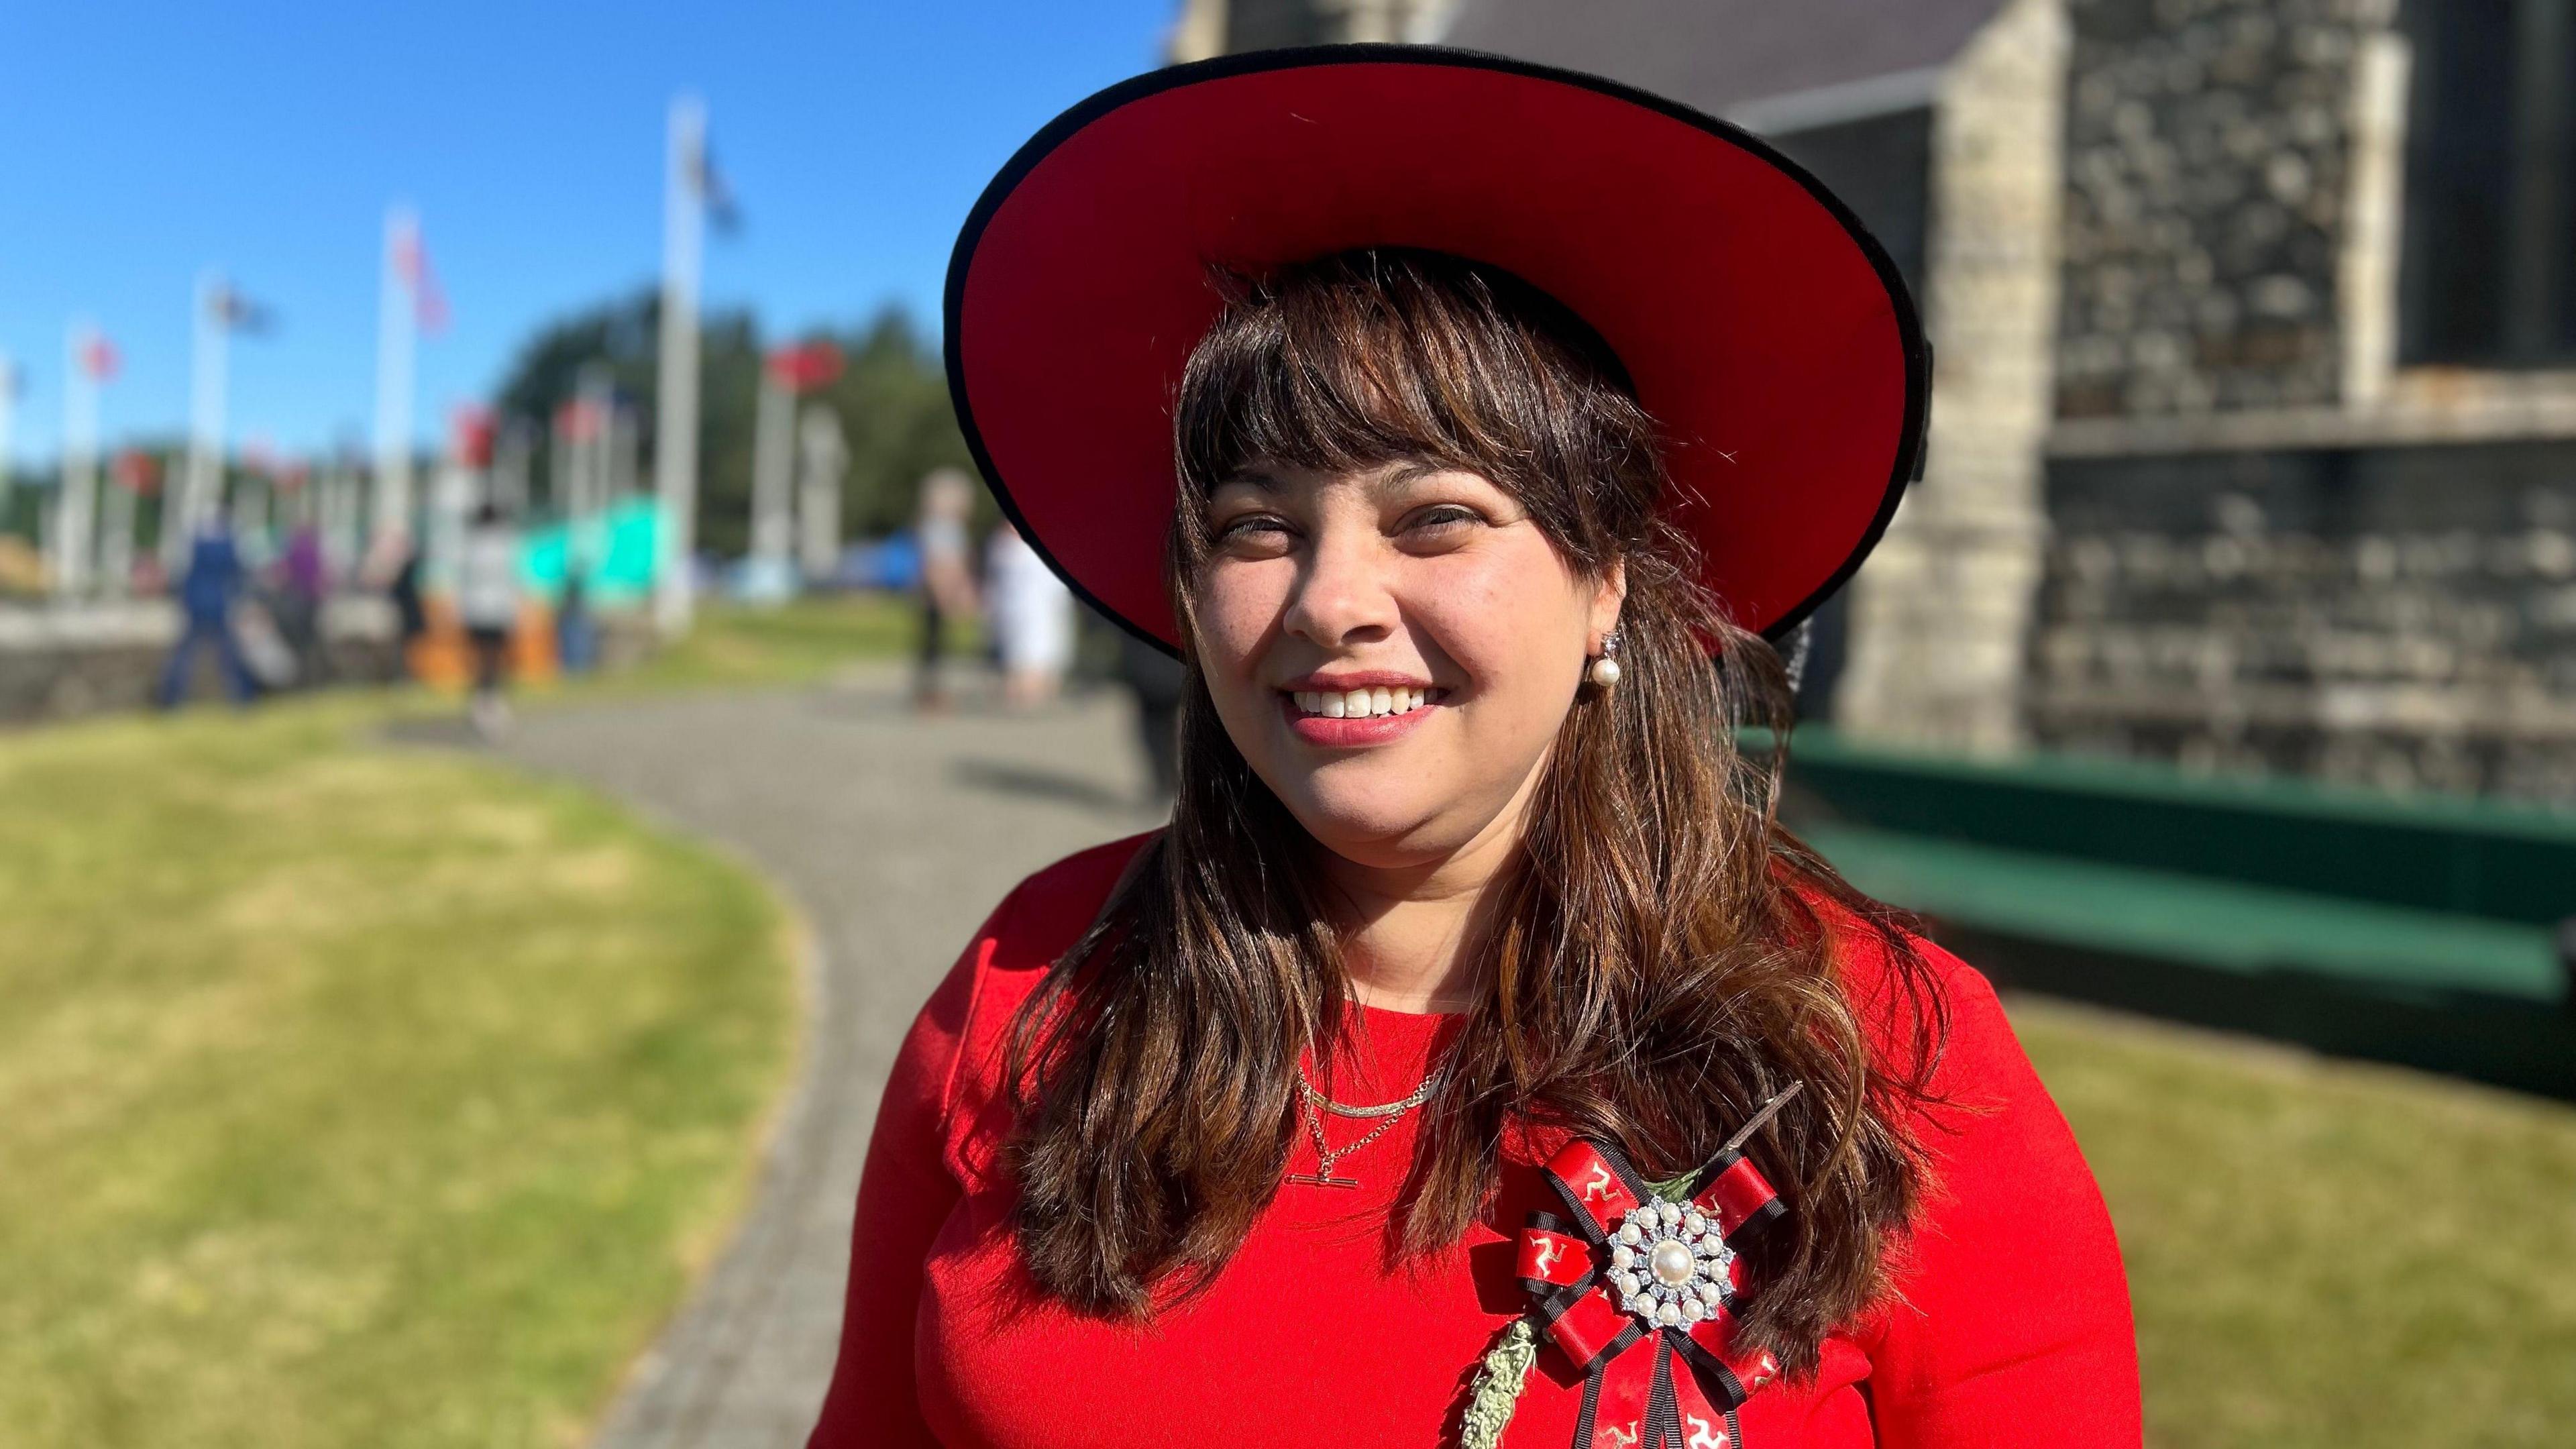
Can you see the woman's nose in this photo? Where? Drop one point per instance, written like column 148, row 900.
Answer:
column 1342, row 595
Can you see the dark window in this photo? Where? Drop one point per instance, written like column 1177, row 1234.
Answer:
column 1881, row 167
column 2489, row 268
column 1269, row 24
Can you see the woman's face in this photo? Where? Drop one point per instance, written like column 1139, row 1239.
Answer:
column 1392, row 650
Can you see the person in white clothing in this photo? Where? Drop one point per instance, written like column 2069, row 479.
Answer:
column 487, row 603
column 1032, row 618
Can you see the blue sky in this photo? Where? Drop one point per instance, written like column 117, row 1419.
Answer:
column 140, row 143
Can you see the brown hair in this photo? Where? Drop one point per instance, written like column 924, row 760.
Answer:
column 1658, row 959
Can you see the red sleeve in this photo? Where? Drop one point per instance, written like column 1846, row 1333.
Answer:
column 2011, row 1323
column 906, row 1192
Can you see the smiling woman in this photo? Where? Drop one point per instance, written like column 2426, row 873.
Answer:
column 1474, row 1003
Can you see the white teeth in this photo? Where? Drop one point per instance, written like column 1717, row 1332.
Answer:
column 1360, row 703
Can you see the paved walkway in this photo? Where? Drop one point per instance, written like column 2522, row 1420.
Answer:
column 895, row 836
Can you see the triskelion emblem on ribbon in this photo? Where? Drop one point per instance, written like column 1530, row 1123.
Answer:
column 1639, row 1289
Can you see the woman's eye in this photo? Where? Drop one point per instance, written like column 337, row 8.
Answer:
column 1258, row 530
column 1439, row 520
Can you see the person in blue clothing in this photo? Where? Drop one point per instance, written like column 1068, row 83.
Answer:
column 206, row 596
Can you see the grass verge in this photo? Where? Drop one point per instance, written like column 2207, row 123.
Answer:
column 354, row 1096
column 803, row 641
column 2324, row 1254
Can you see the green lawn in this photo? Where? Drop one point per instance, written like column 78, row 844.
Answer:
column 351, row 1095
column 795, row 643
column 2324, row 1254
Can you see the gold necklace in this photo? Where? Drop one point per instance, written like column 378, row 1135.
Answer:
column 1326, row 1156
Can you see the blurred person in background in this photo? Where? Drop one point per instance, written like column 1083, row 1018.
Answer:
column 1030, row 612
column 576, row 629
column 207, row 597
column 1473, row 1051
column 947, row 587
column 1154, row 679
column 302, row 586
column 487, row 603
column 393, row 564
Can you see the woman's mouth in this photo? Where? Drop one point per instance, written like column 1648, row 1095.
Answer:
column 1351, row 718
column 1362, row 703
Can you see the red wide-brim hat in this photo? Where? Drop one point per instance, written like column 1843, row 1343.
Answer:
column 1764, row 328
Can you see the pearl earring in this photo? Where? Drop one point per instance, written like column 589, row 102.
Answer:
column 1605, row 670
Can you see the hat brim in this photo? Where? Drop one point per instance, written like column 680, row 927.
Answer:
column 1765, row 329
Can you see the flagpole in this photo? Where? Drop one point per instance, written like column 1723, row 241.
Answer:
column 200, row 494
column 8, row 425
column 75, row 509
column 595, row 396
column 116, row 538
column 773, row 461
column 825, row 455
column 394, row 344
column 675, row 413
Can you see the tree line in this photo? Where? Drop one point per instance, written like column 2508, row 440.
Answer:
column 891, row 398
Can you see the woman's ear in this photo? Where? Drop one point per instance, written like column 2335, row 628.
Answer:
column 1607, row 599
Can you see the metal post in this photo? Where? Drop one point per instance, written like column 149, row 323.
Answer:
column 116, row 539
column 8, row 425
column 773, row 457
column 825, row 454
column 200, row 493
column 395, row 323
column 675, row 419
column 79, row 500
column 597, row 396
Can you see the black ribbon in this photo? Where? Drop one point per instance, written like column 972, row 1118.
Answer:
column 1550, row 1301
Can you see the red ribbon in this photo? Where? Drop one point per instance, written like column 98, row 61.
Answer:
column 1644, row 1387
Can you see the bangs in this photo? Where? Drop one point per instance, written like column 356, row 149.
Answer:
column 1373, row 357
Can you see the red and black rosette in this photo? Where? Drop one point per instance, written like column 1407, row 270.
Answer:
column 1640, row 1292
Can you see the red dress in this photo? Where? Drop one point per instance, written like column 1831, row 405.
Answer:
column 2011, row 1326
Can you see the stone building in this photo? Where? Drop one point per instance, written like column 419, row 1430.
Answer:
column 2254, row 425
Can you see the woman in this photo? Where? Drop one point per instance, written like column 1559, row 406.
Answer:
column 1390, row 1095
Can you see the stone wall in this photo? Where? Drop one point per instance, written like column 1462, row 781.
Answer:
column 2209, row 175
column 2397, row 617
column 62, row 663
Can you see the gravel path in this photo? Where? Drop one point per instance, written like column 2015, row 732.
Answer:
column 894, row 835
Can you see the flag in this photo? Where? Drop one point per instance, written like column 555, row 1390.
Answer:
column 806, row 366
column 99, row 359
column 412, row 269
column 234, row 311
column 137, row 471
column 708, row 185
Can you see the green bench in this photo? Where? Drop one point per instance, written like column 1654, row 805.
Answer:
column 2422, row 930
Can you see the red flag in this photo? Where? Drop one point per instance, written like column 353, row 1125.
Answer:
column 412, row 269
column 137, row 471
column 99, row 359
column 806, row 366
column 581, row 420
column 470, row 431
